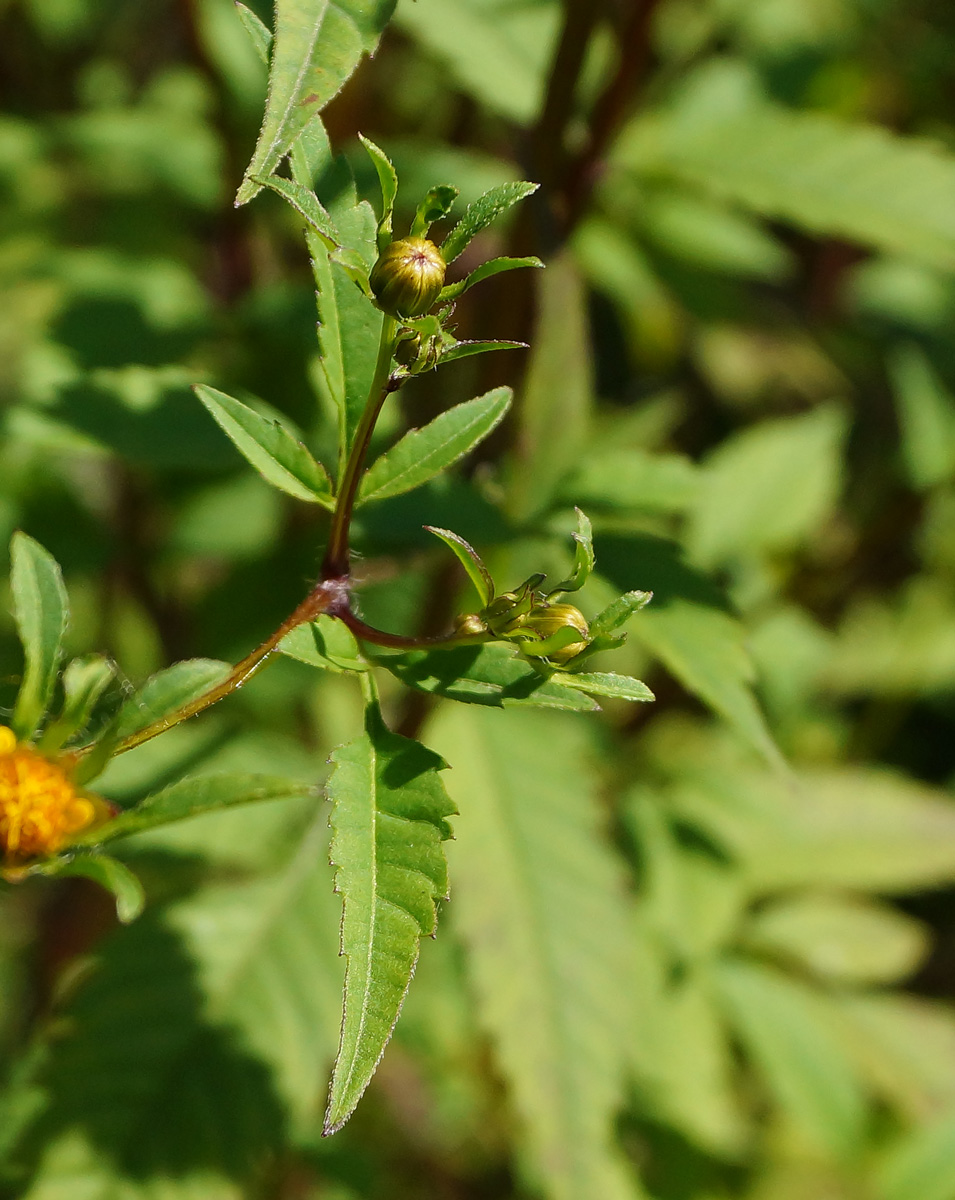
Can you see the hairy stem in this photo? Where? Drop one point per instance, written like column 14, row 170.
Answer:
column 337, row 559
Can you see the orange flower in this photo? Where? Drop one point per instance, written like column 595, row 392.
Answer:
column 40, row 807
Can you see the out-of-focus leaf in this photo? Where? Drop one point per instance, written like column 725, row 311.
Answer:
column 423, row 453
column 490, row 674
column 114, row 876
column 84, row 682
column 926, row 416
column 849, row 940
column 41, row 610
column 548, row 945
column 554, row 410
column 921, row 1165
column 768, row 487
column 825, row 175
column 786, row 1028
column 629, row 478
column 276, row 454
column 317, row 45
column 388, row 824
column 167, row 691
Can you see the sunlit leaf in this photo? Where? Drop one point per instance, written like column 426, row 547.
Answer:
column 41, row 610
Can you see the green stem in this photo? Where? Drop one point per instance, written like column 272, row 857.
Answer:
column 337, row 557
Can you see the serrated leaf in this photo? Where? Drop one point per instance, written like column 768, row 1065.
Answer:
column 541, row 903
column 307, row 205
column 41, row 611
column 618, row 612
column 823, row 174
column 114, row 876
column 791, row 1037
column 388, row 825
column 494, row 266
column 167, row 691
column 481, row 213
column 257, row 30
column 388, row 179
column 423, row 453
column 472, row 562
column 317, row 46
column 620, row 687
column 278, row 456
column 490, row 674
column 189, row 797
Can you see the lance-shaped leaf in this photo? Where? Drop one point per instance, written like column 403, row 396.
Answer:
column 388, row 178
column 583, row 556
column 490, row 674
column 167, row 691
column 599, row 683
column 308, row 205
column 388, row 826
column 619, row 611
column 114, row 876
column 455, row 350
column 84, row 681
column 41, row 610
column 317, row 45
column 423, row 453
column 437, row 203
column 278, row 456
column 469, row 558
column 481, row 213
column 257, row 30
column 189, row 797
column 494, row 266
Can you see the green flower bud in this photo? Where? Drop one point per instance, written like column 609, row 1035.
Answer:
column 548, row 619
column 407, row 277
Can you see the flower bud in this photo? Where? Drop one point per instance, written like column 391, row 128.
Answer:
column 548, row 619
column 407, row 277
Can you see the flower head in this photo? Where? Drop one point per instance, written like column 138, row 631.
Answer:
column 40, row 807
column 408, row 276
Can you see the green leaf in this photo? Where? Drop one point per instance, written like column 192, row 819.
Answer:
column 769, row 487
column 927, row 418
column 481, row 213
column 457, row 349
column 619, row 612
column 826, row 175
column 307, row 204
column 472, row 562
column 189, row 797
column 792, row 1037
column 326, row 643
column 278, row 456
column 114, row 876
column 437, row 203
column 167, row 691
column 317, row 46
column 41, row 611
column 628, row 478
column 423, row 453
column 921, row 1164
column 490, row 674
column 494, row 266
column 388, row 825
column 234, row 1000
column 84, row 681
column 388, row 178
column 845, row 939
column 554, row 409
column 257, row 30
column 620, row 687
column 583, row 556
column 541, row 903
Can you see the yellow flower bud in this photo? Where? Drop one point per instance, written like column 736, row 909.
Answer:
column 548, row 619
column 407, row 277
column 40, row 807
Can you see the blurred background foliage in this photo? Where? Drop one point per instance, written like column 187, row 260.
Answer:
column 673, row 966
